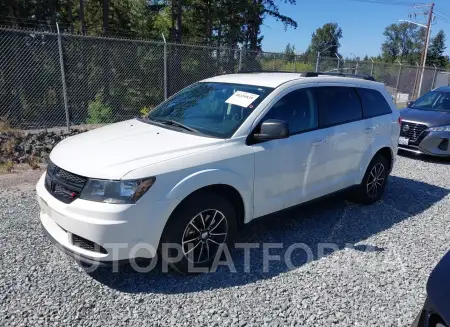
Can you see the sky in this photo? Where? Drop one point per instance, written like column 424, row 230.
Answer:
column 362, row 24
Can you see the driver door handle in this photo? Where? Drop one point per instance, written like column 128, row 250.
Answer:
column 369, row 129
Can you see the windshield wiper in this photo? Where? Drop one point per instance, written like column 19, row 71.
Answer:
column 174, row 123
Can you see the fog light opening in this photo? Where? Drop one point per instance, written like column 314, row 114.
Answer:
column 443, row 146
column 87, row 245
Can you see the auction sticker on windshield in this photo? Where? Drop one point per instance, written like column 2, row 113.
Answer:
column 242, row 99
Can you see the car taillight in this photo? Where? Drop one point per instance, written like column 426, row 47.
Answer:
column 399, row 120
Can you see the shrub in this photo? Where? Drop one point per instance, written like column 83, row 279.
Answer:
column 9, row 166
column 10, row 146
column 98, row 112
column 33, row 162
column 144, row 111
column 4, row 125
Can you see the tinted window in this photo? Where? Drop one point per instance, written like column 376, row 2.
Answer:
column 298, row 108
column 338, row 105
column 433, row 100
column 215, row 109
column 374, row 103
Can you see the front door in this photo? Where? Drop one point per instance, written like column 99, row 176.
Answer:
column 289, row 171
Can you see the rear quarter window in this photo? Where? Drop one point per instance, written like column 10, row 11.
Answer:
column 373, row 103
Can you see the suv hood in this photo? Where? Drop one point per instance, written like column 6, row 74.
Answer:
column 112, row 151
column 430, row 118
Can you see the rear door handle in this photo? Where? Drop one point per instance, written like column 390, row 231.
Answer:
column 369, row 130
column 317, row 142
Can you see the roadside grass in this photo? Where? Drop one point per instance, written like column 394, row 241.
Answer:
column 7, row 167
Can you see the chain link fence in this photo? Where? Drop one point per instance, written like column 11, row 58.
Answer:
column 31, row 92
column 402, row 81
column 105, row 80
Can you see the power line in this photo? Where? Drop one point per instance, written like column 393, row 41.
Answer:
column 389, row 2
column 442, row 13
column 443, row 19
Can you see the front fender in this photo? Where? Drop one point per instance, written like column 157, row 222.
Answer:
column 204, row 178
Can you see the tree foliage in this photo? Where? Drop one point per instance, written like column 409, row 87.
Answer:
column 289, row 52
column 403, row 42
column 326, row 40
column 436, row 51
column 212, row 22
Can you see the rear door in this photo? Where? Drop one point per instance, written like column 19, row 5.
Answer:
column 340, row 111
column 377, row 111
column 380, row 122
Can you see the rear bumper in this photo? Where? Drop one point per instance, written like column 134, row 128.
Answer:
column 434, row 144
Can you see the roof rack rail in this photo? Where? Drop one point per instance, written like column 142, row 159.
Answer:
column 316, row 74
column 310, row 74
column 249, row 71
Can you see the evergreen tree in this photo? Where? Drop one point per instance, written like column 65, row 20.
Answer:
column 436, row 51
column 326, row 40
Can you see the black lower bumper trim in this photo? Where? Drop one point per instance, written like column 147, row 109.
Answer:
column 81, row 258
column 422, row 151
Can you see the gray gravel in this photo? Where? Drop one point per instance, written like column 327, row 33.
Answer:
column 375, row 277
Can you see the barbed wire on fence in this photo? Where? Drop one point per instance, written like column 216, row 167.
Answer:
column 107, row 79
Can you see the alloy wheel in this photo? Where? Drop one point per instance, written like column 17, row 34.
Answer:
column 376, row 180
column 203, row 235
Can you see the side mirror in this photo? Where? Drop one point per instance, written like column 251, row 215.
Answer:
column 410, row 103
column 272, row 129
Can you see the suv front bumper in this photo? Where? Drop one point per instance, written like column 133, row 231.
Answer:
column 103, row 233
column 434, row 144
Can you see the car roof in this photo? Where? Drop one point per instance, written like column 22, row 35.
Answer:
column 274, row 79
column 443, row 89
column 257, row 79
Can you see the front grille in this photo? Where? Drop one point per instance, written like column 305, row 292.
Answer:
column 71, row 177
column 412, row 131
column 63, row 185
column 87, row 245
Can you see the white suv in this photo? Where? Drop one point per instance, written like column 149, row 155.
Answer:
column 214, row 156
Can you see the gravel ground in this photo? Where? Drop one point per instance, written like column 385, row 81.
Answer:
column 375, row 276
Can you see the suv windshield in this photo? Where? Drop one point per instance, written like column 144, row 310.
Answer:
column 213, row 109
column 433, row 100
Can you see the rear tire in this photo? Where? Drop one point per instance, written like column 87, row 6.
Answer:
column 374, row 182
column 198, row 227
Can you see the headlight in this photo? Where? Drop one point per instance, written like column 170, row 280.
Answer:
column 440, row 129
column 127, row 191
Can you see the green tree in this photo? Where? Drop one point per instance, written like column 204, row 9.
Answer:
column 403, row 42
column 289, row 52
column 436, row 51
column 326, row 40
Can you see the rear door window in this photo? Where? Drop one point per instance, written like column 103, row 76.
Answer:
column 338, row 105
column 374, row 103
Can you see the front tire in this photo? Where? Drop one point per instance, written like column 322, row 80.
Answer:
column 198, row 227
column 374, row 183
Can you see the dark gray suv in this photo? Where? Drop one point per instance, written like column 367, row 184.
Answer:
column 426, row 124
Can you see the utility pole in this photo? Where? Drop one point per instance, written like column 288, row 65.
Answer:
column 425, row 49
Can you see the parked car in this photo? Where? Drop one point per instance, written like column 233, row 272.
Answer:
column 213, row 157
column 436, row 310
column 426, row 124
